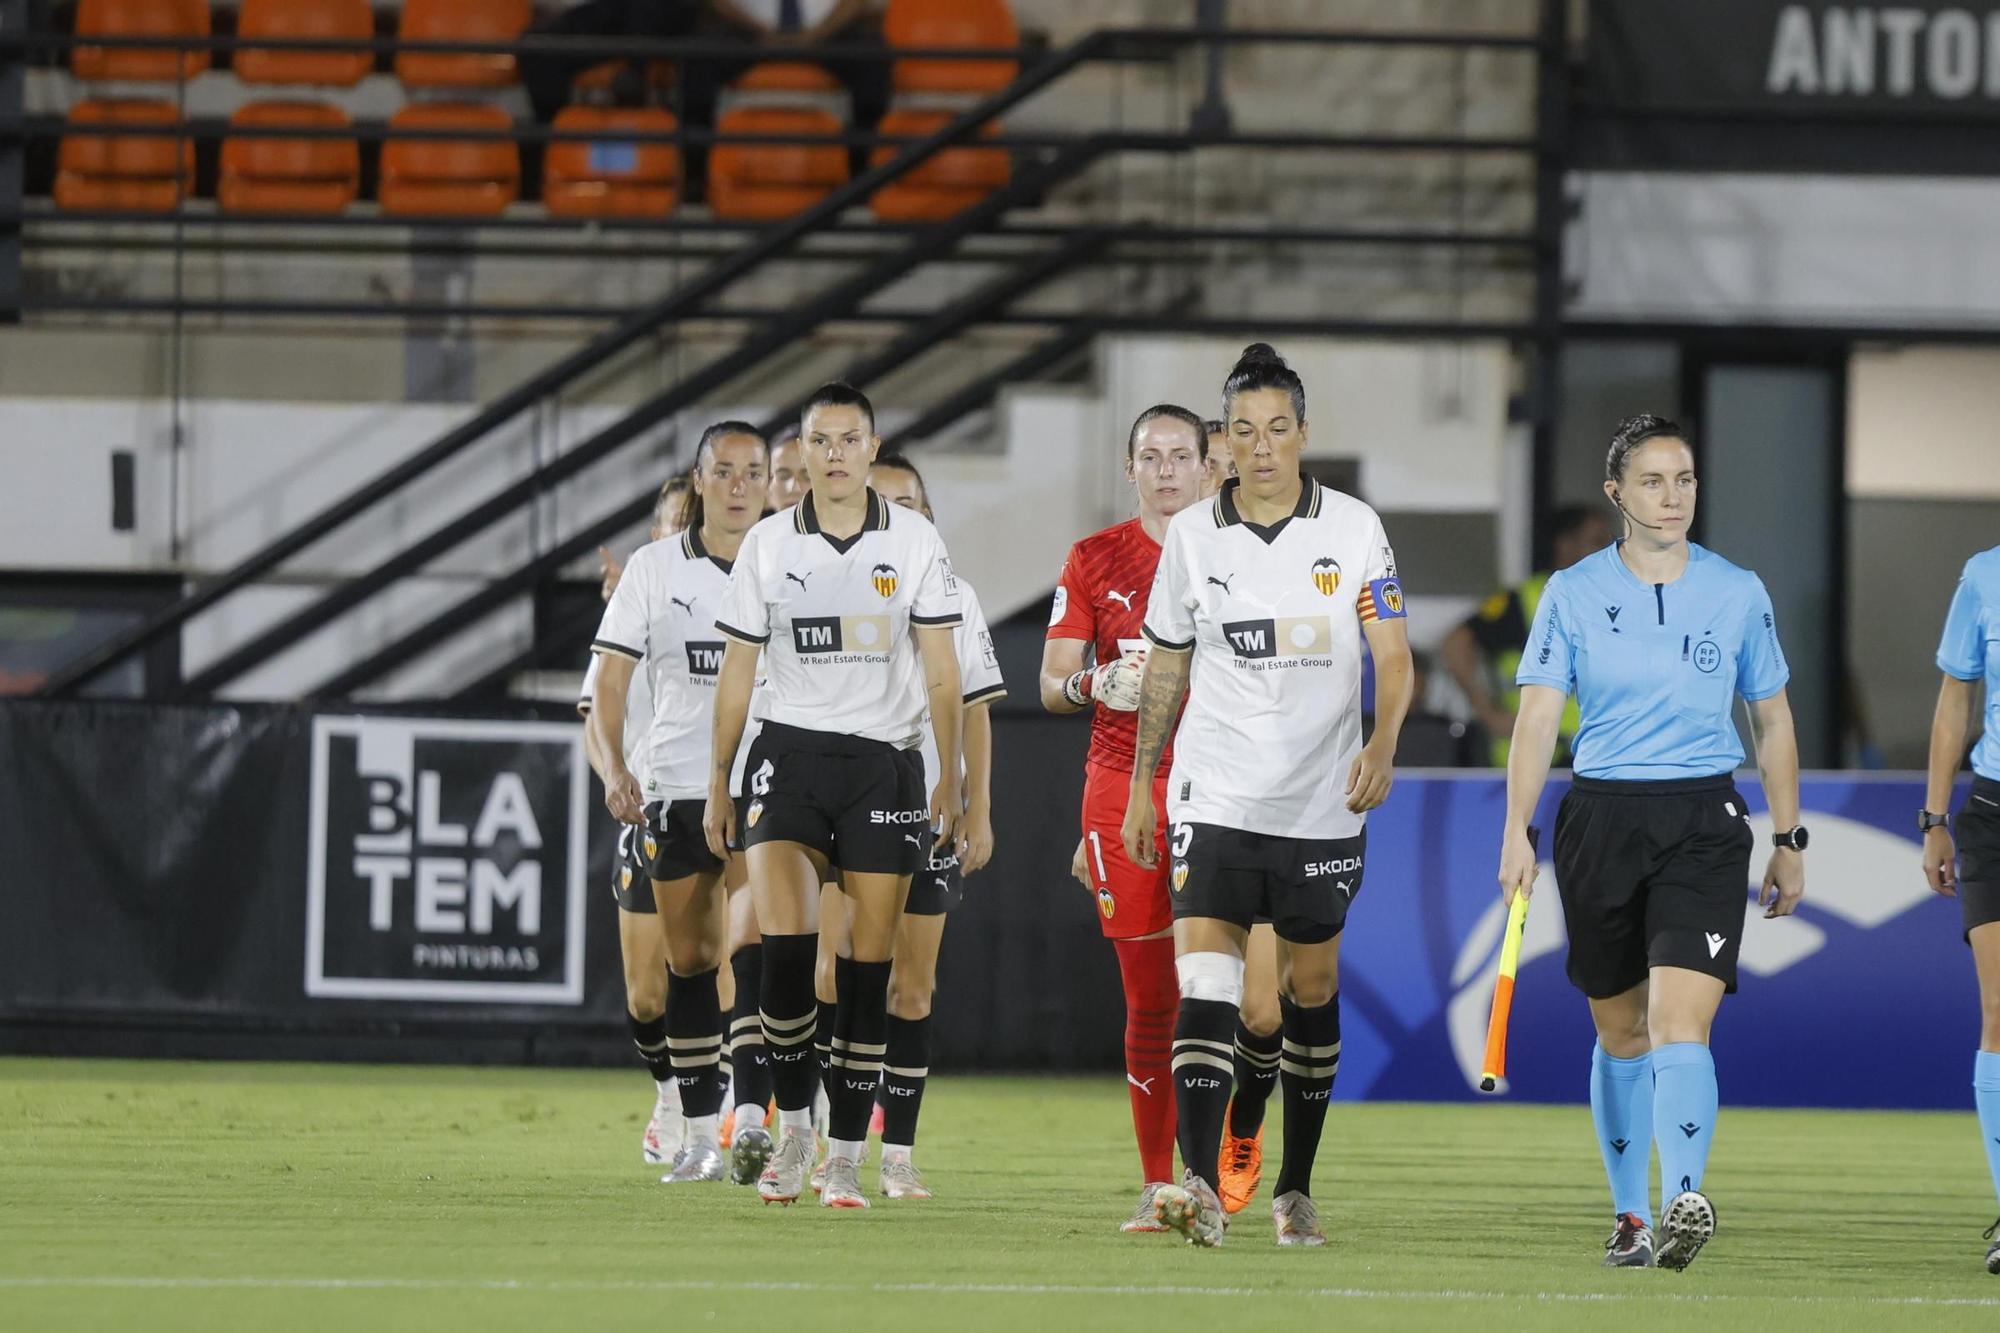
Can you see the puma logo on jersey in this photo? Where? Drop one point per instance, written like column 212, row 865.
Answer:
column 1145, row 1087
column 1124, row 599
column 913, row 840
column 1715, row 943
column 1222, row 583
column 687, row 606
column 797, row 579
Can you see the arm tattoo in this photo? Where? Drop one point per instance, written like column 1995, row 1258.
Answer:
column 1159, row 703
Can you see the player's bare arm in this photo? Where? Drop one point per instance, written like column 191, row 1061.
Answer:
column 1374, row 769
column 1062, row 659
column 1949, row 722
column 1160, row 693
column 1535, row 728
column 939, row 652
column 732, row 709
column 607, row 718
column 1778, row 764
column 975, row 834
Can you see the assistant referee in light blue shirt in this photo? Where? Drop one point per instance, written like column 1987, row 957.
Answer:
column 1970, row 868
column 1656, row 637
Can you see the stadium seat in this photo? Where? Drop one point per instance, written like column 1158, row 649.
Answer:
column 289, row 175
column 967, row 23
column 786, row 76
column 449, row 177
column 610, row 177
column 139, row 18
column 760, row 182
column 946, row 184
column 460, row 21
column 347, row 20
column 139, row 174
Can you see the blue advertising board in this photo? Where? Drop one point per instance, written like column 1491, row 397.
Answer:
column 1864, row 998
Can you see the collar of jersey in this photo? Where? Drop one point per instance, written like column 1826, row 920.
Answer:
column 691, row 546
column 1226, row 514
column 806, row 519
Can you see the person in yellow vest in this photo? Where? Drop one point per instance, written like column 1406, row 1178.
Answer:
column 1483, row 652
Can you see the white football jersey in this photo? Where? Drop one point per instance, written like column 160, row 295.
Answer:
column 978, row 675
column 663, row 617
column 638, row 712
column 1274, row 617
column 834, row 617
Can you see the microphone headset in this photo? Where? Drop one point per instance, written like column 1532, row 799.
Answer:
column 1617, row 498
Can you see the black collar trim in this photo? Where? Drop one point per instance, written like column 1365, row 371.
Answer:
column 1227, row 515
column 694, row 549
column 806, row 519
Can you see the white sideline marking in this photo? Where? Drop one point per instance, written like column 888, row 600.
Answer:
column 957, row 1289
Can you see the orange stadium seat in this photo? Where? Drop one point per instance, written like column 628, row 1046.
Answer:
column 760, row 182
column 139, row 18
column 610, row 177
column 289, row 175
column 460, row 21
column 346, row 20
column 968, row 23
column 449, row 177
column 127, row 173
column 786, row 76
column 947, row 183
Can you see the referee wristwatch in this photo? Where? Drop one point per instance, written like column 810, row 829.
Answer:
column 1926, row 821
column 1794, row 838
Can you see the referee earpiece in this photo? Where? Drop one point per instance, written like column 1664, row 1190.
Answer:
column 1618, row 498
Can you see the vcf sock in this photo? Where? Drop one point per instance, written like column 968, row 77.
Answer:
column 746, row 1030
column 788, row 1011
column 694, row 1041
column 860, row 1040
column 649, row 1038
column 1152, row 1000
column 1684, row 1107
column 1621, row 1110
column 1986, row 1096
column 1310, row 1059
column 905, row 1070
column 1256, row 1077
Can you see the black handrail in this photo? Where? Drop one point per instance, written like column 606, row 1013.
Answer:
column 572, row 367
column 770, row 338
column 969, row 309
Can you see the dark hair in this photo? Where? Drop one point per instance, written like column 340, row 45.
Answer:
column 1633, row 432
column 670, row 509
column 901, row 463
column 694, row 512
column 1260, row 367
column 1173, row 412
column 837, row 393
column 1569, row 520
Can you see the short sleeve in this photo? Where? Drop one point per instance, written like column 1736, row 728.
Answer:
column 624, row 627
column 1381, row 594
column 583, row 701
column 1550, row 655
column 935, row 601
column 1962, row 651
column 1073, row 614
column 1761, row 670
column 978, row 664
column 1170, row 608
column 746, row 609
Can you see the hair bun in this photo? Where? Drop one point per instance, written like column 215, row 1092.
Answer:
column 1260, row 352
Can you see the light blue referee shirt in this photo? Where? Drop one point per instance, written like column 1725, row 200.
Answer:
column 1971, row 648
column 1655, row 667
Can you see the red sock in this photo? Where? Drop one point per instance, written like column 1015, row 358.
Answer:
column 1152, row 998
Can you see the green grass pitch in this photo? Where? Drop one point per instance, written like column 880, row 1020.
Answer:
column 156, row 1196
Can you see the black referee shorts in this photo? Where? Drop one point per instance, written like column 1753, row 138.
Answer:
column 1977, row 833
column 673, row 843
column 860, row 803
column 1652, row 874
column 1302, row 886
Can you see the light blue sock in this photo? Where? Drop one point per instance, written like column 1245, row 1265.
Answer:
column 1684, row 1104
column 1621, row 1108
column 1986, row 1096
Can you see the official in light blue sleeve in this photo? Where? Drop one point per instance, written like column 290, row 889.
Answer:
column 1656, row 637
column 1968, row 653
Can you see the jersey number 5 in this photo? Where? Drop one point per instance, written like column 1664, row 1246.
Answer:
column 760, row 781
column 1183, row 839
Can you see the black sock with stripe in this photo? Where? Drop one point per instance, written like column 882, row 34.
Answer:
column 786, row 1008
column 1310, row 1059
column 1203, row 1072
column 694, row 1041
column 649, row 1038
column 860, row 1039
column 905, row 1069
column 1256, row 1078
column 746, row 1030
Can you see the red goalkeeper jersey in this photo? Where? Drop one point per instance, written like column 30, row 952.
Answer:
column 1101, row 598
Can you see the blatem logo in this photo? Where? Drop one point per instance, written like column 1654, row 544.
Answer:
column 446, row 861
